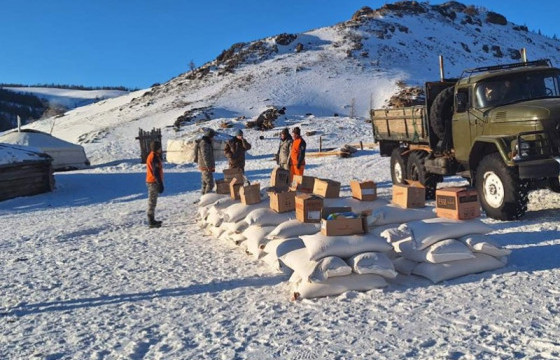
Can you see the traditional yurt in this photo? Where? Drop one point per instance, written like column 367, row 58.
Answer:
column 182, row 150
column 24, row 171
column 65, row 155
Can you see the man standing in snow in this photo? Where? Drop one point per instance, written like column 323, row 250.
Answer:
column 297, row 154
column 154, row 181
column 206, row 162
column 235, row 151
column 283, row 154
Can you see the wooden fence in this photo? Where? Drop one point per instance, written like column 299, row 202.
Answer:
column 145, row 138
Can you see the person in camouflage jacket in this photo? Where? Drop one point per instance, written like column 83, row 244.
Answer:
column 206, row 162
column 235, row 151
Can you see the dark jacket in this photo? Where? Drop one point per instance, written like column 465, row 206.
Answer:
column 235, row 152
column 283, row 154
column 205, row 150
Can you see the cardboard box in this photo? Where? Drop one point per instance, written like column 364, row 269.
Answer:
column 282, row 200
column 222, row 186
column 365, row 190
column 250, row 194
column 326, row 188
column 459, row 203
column 230, row 174
column 308, row 208
column 280, row 178
column 410, row 195
column 342, row 225
column 302, row 183
column 234, row 186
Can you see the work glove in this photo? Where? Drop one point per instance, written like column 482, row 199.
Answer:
column 160, row 188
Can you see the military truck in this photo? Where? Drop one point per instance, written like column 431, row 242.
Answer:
column 496, row 126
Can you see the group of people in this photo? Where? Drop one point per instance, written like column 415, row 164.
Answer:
column 290, row 156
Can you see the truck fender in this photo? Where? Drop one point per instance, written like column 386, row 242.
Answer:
column 484, row 146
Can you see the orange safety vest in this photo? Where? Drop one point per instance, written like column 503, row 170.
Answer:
column 153, row 167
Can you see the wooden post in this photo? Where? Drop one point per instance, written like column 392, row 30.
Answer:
column 320, row 143
column 361, row 145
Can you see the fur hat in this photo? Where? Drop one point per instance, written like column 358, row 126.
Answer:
column 296, row 131
column 285, row 132
column 155, row 145
column 239, row 132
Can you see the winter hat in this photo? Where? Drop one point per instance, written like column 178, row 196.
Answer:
column 296, row 131
column 155, row 145
column 239, row 132
column 209, row 132
column 285, row 132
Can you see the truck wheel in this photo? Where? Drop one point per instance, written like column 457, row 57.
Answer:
column 503, row 195
column 398, row 166
column 554, row 184
column 416, row 170
column 441, row 112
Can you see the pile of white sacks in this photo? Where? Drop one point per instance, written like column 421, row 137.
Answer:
column 435, row 248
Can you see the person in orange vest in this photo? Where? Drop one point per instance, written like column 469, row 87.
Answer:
column 154, row 181
column 297, row 154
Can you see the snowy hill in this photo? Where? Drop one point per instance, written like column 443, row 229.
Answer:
column 82, row 276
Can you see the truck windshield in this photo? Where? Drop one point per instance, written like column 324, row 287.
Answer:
column 518, row 87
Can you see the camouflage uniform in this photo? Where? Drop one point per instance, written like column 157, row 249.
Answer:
column 206, row 164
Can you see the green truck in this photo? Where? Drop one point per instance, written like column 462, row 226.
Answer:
column 497, row 126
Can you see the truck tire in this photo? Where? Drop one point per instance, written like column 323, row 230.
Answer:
column 554, row 184
column 416, row 170
column 503, row 195
column 398, row 166
column 441, row 112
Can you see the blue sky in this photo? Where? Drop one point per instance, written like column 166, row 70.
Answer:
column 136, row 43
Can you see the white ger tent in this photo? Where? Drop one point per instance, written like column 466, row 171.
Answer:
column 66, row 156
column 181, row 150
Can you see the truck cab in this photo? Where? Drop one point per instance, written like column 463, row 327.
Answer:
column 497, row 126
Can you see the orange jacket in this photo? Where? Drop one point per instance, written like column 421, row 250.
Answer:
column 154, row 168
column 297, row 152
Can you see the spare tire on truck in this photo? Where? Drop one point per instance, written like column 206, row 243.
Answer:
column 441, row 113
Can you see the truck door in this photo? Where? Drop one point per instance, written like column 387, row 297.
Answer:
column 461, row 125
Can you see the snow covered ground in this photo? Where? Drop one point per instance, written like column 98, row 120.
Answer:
column 83, row 277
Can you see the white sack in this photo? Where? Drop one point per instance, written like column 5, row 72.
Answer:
column 256, row 238
column 237, row 239
column 372, row 263
column 214, row 218
column 293, row 228
column 216, row 232
column 454, row 269
column 223, row 203
column 393, row 235
column 338, row 285
column 235, row 227
column 274, row 263
column 266, row 217
column 393, row 214
column 281, row 247
column 429, row 231
column 210, row 198
column 356, row 205
column 238, row 211
column 482, row 244
column 320, row 246
column 331, row 266
column 404, row 266
column 442, row 251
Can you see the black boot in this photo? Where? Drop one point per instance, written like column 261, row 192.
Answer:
column 152, row 223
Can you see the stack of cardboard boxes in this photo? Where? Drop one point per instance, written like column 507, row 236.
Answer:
column 223, row 185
